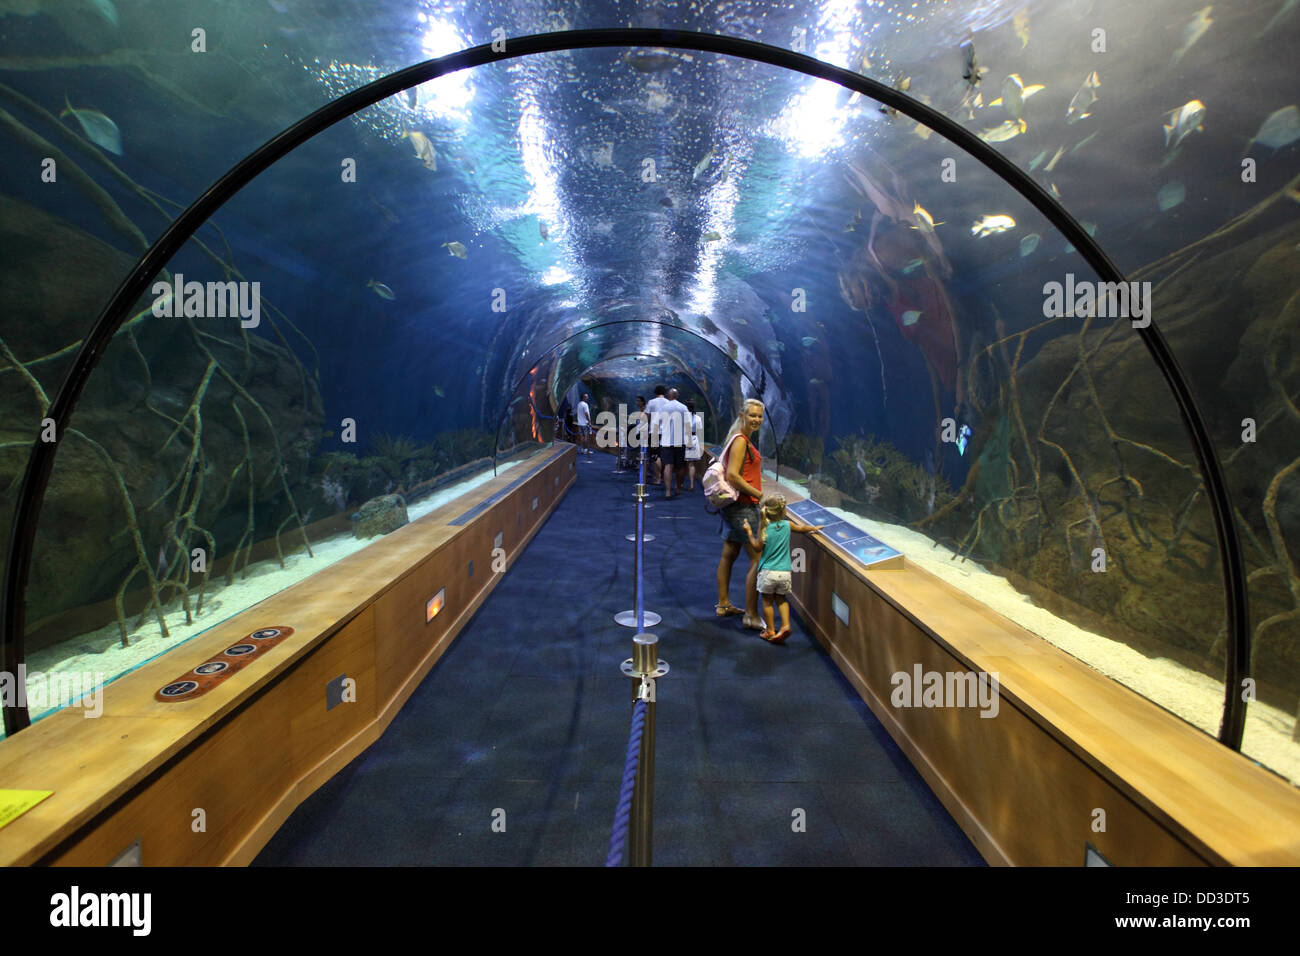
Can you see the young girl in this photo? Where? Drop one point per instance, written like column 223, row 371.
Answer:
column 774, row 570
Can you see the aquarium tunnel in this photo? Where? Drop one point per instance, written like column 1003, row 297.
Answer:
column 307, row 306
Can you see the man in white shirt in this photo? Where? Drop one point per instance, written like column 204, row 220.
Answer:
column 584, row 424
column 674, row 424
column 652, row 409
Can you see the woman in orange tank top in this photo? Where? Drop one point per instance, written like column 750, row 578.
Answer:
column 745, row 473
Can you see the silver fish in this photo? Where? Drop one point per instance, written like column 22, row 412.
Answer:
column 991, row 226
column 1171, row 195
column 1280, row 129
column 99, row 129
column 1183, row 121
column 702, row 165
column 1081, row 105
column 381, row 290
column 1029, row 243
column 971, row 70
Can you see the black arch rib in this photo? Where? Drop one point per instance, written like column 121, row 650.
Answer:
column 31, row 494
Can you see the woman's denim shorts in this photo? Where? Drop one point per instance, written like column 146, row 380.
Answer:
column 733, row 522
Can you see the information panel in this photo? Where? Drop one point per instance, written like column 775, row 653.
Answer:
column 848, row 537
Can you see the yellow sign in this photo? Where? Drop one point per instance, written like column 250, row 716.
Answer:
column 14, row 803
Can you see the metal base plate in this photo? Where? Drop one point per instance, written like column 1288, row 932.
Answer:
column 632, row 537
column 628, row 618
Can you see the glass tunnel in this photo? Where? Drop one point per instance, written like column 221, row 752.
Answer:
column 1022, row 308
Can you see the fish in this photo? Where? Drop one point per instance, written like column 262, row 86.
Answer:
column 456, row 249
column 105, row 9
column 99, row 129
column 658, row 60
column 911, row 317
column 903, row 84
column 658, row 99
column 1283, row 12
column 815, row 381
column 913, row 266
column 1282, row 128
column 1081, row 105
column 1020, row 23
column 711, row 236
column 1171, row 195
column 780, row 346
column 1183, row 121
column 1051, row 188
column 381, row 290
column 1029, row 243
column 1013, row 93
column 1084, row 142
column 1037, row 161
column 1056, row 158
column 1089, row 227
column 423, row 149
column 924, row 221
column 991, row 225
column 603, row 156
column 384, row 210
column 808, row 341
column 437, row 390
column 1000, row 134
column 702, row 165
column 1194, row 31
column 545, row 233
column 971, row 70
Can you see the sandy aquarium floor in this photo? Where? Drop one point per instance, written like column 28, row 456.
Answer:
column 101, row 651
column 1191, row 695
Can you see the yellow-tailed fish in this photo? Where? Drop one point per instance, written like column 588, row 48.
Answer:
column 1081, row 104
column 1020, row 23
column 381, row 290
column 1183, row 122
column 1013, row 96
column 991, row 225
column 1000, row 134
column 1194, row 31
column 423, row 149
column 924, row 221
column 702, row 165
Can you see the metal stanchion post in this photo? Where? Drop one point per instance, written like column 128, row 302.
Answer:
column 644, row 667
column 638, row 617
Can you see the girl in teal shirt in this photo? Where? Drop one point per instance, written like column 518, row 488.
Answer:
column 774, row 568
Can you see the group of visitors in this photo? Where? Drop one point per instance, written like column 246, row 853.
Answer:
column 754, row 523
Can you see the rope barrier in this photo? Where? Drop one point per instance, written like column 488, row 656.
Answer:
column 623, row 815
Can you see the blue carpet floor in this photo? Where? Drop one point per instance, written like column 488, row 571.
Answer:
column 527, row 713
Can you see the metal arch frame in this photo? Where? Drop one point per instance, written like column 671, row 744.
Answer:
column 36, row 477
column 713, row 412
column 776, row 456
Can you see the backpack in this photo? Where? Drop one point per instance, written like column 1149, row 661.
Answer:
column 718, row 492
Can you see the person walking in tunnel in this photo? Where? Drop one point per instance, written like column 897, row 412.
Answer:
column 775, row 569
column 744, row 470
column 584, row 424
column 694, row 443
column 653, row 408
column 674, row 422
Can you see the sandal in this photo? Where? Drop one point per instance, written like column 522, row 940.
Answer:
column 768, row 635
column 755, row 623
column 778, row 637
column 727, row 610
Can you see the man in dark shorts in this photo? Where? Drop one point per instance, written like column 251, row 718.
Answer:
column 675, row 423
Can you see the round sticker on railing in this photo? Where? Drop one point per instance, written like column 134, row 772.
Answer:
column 265, row 634
column 239, row 650
column 213, row 671
column 211, row 667
column 179, row 688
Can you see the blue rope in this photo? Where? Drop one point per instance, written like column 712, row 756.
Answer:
column 618, row 836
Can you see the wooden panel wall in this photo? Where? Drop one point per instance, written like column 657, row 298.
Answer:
column 1026, row 789
column 248, row 768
